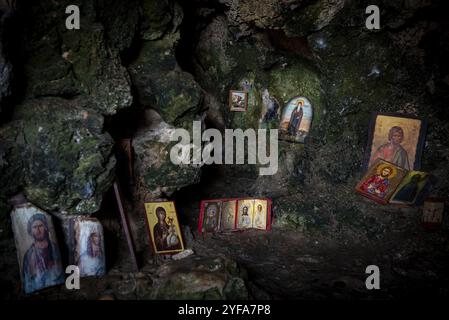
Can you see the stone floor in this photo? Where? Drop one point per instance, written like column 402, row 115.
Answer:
column 266, row 265
column 284, row 263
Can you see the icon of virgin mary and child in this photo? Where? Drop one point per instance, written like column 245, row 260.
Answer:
column 165, row 235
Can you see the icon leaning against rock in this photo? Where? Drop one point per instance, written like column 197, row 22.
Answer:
column 37, row 248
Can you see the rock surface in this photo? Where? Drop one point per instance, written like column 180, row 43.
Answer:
column 56, row 151
column 156, row 75
column 200, row 278
column 61, row 62
column 6, row 68
column 154, row 171
column 150, row 66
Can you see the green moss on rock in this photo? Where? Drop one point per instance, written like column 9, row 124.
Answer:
column 153, row 168
column 161, row 85
column 200, row 278
column 299, row 79
column 66, row 162
column 61, row 62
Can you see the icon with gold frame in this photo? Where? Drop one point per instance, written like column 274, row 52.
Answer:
column 260, row 214
column 235, row 214
column 164, row 229
column 381, row 181
column 396, row 138
column 245, row 214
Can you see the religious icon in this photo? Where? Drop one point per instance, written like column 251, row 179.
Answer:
column 381, row 181
column 296, row 120
column 411, row 190
column 433, row 211
column 398, row 139
column 37, row 248
column 86, row 245
column 260, row 214
column 238, row 100
column 245, row 214
column 236, row 214
column 210, row 216
column 270, row 110
column 228, row 215
column 163, row 225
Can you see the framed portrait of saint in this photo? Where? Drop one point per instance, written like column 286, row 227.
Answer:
column 37, row 248
column 210, row 216
column 238, row 100
column 396, row 138
column 86, row 245
column 164, row 229
column 235, row 214
column 261, row 218
column 228, row 214
column 245, row 214
column 296, row 120
column 381, row 181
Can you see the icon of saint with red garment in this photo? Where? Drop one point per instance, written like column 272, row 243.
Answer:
column 378, row 184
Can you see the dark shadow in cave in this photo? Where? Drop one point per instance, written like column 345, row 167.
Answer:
column 214, row 182
column 197, row 16
column 123, row 125
column 125, row 122
column 295, row 45
column 217, row 181
column 13, row 24
column 109, row 217
column 188, row 199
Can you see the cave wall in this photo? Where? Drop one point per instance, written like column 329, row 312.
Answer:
column 174, row 62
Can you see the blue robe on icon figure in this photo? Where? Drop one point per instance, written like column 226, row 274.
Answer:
column 42, row 262
column 295, row 121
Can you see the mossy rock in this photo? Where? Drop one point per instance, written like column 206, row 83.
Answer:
column 293, row 213
column 362, row 73
column 199, row 278
column 160, row 17
column 300, row 78
column 66, row 162
column 312, row 17
column 162, row 86
column 121, row 24
column 67, row 63
column 236, row 289
column 154, row 169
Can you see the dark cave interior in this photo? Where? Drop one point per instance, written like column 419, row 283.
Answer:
column 139, row 69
